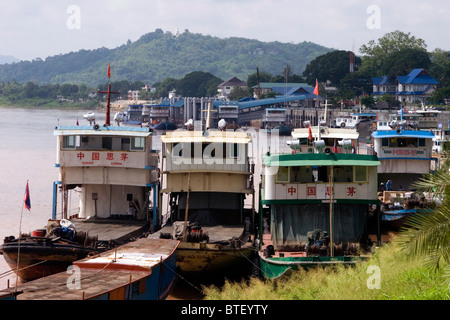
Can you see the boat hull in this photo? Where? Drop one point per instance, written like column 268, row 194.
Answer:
column 275, row 267
column 42, row 258
column 144, row 269
column 198, row 259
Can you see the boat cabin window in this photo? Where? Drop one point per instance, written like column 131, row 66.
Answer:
column 103, row 143
column 107, row 143
column 208, row 150
column 301, row 174
column 304, row 141
column 343, row 174
column 403, row 142
column 360, row 174
column 69, row 142
column 321, row 174
column 137, row 143
column 283, row 174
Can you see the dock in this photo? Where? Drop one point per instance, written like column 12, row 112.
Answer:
column 141, row 269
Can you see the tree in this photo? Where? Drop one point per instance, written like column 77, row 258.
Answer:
column 440, row 66
column 252, row 79
column 238, row 93
column 167, row 85
column 357, row 83
column 403, row 61
column 332, row 66
column 197, row 84
column 439, row 95
column 368, row 101
column 376, row 53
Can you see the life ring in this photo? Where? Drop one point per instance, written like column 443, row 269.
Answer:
column 342, row 124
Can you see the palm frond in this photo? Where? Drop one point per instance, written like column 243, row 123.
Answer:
column 428, row 234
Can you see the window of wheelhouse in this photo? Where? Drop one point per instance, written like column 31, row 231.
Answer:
column 403, row 142
column 69, row 142
column 137, row 144
column 321, row 174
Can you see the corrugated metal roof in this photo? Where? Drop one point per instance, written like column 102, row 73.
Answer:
column 271, row 101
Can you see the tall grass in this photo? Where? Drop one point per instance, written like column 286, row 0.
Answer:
column 400, row 278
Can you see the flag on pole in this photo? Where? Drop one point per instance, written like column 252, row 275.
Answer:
column 335, row 149
column 316, row 89
column 26, row 198
column 109, row 71
column 310, row 136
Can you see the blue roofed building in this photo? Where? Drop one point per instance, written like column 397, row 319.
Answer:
column 417, row 86
column 290, row 90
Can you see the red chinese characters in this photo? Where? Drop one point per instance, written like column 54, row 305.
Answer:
column 351, row 191
column 311, row 191
column 95, row 156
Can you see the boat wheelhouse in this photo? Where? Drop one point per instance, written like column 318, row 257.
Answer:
column 114, row 168
column 133, row 114
column 274, row 117
column 207, row 175
column 405, row 155
column 318, row 199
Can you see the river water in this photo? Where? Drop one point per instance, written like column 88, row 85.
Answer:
column 28, row 153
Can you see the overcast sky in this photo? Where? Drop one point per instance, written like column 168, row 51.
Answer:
column 42, row 28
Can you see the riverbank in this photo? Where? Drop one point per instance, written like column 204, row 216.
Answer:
column 388, row 275
column 50, row 104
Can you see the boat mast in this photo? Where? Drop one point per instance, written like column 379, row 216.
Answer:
column 331, row 211
column 108, row 99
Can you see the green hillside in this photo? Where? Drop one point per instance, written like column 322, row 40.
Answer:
column 159, row 55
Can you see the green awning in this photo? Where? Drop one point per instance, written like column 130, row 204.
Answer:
column 320, row 159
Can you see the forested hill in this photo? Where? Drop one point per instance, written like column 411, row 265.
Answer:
column 159, row 55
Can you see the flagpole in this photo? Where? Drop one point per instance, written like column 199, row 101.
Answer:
column 18, row 250
column 25, row 198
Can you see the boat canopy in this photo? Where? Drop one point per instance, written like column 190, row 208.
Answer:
column 403, row 134
column 320, row 159
column 206, row 137
column 290, row 224
column 102, row 131
column 326, row 132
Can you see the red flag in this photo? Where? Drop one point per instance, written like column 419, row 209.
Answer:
column 109, row 71
column 316, row 89
column 26, row 198
column 310, row 136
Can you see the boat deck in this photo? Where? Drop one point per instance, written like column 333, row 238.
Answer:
column 111, row 230
column 267, row 240
column 216, row 233
column 109, row 272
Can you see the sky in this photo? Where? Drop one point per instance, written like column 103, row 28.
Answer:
column 32, row 29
